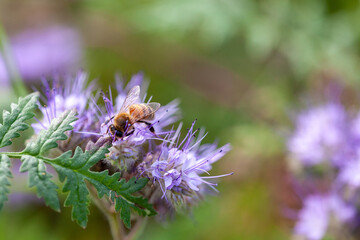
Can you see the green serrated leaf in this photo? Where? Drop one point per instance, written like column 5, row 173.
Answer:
column 5, row 174
column 78, row 193
column 76, row 170
column 39, row 178
column 47, row 138
column 32, row 158
column 127, row 201
column 125, row 213
column 14, row 121
column 78, row 197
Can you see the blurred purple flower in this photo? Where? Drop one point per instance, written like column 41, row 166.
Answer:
column 44, row 52
column 321, row 134
column 317, row 212
column 327, row 134
column 350, row 173
column 4, row 81
column 23, row 199
column 19, row 197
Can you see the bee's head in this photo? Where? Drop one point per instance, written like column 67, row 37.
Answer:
column 115, row 132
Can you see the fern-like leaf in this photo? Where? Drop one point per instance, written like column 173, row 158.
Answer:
column 14, row 121
column 77, row 168
column 40, row 178
column 47, row 138
column 5, row 174
column 127, row 201
column 33, row 163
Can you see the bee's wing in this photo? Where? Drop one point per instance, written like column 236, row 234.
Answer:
column 149, row 115
column 131, row 98
column 154, row 107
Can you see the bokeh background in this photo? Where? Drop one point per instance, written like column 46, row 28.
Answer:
column 241, row 67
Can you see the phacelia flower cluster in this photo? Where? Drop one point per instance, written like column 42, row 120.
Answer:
column 176, row 167
column 70, row 92
column 148, row 147
column 325, row 159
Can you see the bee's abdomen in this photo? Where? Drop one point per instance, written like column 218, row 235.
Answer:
column 141, row 111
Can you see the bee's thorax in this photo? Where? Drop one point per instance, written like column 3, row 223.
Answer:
column 121, row 121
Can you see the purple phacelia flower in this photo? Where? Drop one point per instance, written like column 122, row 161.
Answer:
column 321, row 134
column 44, row 52
column 177, row 168
column 70, row 93
column 318, row 211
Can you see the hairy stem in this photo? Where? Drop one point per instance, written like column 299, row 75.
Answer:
column 12, row 154
column 115, row 224
column 138, row 228
column 116, row 227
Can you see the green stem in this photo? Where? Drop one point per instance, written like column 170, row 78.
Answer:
column 12, row 154
column 137, row 230
column 116, row 227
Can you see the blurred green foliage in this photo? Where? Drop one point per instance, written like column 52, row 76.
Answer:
column 311, row 35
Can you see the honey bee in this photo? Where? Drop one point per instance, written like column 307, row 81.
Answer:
column 130, row 113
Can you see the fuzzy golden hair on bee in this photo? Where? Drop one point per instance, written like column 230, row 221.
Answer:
column 132, row 112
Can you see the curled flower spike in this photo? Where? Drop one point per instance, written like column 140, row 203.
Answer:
column 176, row 168
column 70, row 93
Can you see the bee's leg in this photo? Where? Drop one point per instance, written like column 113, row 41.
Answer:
column 113, row 135
column 130, row 132
column 107, row 121
column 151, row 128
column 108, row 130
